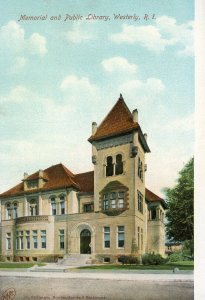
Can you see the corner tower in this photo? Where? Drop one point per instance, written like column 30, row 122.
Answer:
column 118, row 155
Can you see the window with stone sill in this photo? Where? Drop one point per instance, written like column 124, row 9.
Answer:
column 8, row 241
column 106, row 237
column 43, row 239
column 121, row 237
column 61, row 239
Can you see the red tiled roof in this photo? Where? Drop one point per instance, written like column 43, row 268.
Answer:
column 151, row 197
column 57, row 176
column 119, row 120
column 86, row 181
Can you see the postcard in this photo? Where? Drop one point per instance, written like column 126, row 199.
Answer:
column 97, row 142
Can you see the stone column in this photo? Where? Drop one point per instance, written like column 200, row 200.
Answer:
column 40, row 212
column 25, row 207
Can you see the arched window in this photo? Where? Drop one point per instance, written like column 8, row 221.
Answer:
column 15, row 211
column 109, row 166
column 53, row 206
column 119, row 164
column 8, row 211
column 62, row 205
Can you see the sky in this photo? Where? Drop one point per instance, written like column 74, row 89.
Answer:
column 67, row 68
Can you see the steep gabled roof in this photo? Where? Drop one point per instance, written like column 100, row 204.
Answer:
column 119, row 120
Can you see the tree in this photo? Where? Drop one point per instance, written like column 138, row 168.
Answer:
column 180, row 201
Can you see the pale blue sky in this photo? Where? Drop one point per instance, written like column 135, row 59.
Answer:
column 57, row 77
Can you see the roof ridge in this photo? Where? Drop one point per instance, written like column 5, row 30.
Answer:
column 84, row 173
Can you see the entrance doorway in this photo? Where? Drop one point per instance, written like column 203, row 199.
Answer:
column 85, row 241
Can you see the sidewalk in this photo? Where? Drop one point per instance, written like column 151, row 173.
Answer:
column 130, row 275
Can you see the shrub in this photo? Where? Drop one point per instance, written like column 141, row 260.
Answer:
column 176, row 256
column 129, row 260
column 152, row 259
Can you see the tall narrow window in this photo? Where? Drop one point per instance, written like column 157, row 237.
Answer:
column 109, row 166
column 105, row 201
column 141, row 171
column 120, row 199
column 35, row 239
column 8, row 211
column 17, row 240
column 113, row 200
column 21, row 239
column 8, row 241
column 119, row 164
column 53, row 206
column 106, row 237
column 27, row 239
column 62, row 205
column 139, row 166
column 43, row 239
column 153, row 214
column 61, row 236
column 140, row 202
column 121, row 236
column 15, row 210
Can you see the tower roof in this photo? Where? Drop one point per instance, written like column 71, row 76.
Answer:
column 119, row 120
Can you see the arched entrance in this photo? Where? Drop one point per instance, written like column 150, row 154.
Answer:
column 85, row 241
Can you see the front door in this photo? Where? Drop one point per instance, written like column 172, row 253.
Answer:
column 85, row 241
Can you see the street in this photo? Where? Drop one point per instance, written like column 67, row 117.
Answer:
column 77, row 286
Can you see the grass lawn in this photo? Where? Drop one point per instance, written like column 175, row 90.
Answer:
column 16, row 265
column 182, row 265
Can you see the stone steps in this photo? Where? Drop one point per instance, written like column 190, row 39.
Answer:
column 75, row 260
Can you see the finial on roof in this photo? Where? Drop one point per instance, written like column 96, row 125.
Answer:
column 121, row 98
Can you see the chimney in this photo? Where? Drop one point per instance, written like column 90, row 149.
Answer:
column 41, row 173
column 94, row 127
column 25, row 176
column 145, row 136
column 135, row 115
